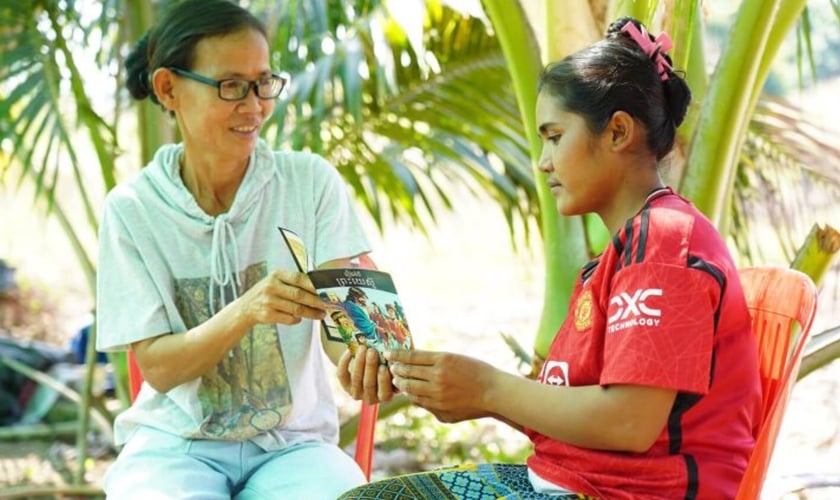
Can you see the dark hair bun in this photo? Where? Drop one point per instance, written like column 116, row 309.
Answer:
column 677, row 93
column 137, row 72
column 677, row 96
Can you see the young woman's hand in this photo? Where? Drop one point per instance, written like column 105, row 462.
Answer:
column 364, row 377
column 451, row 386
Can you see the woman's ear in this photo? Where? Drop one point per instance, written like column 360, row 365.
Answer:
column 162, row 85
column 622, row 131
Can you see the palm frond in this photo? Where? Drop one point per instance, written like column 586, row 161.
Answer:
column 804, row 49
column 788, row 179
column 400, row 121
column 46, row 113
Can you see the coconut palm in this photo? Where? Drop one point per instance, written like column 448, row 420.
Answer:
column 710, row 156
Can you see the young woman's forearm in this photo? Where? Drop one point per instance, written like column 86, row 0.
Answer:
column 620, row 417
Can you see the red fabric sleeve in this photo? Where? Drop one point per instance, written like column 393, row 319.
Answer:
column 660, row 327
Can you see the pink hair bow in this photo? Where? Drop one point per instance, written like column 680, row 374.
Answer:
column 653, row 48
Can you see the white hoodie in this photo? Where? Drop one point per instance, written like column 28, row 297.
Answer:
column 166, row 266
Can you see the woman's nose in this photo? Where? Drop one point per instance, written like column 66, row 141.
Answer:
column 251, row 101
column 544, row 163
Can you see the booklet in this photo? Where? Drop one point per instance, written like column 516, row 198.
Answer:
column 364, row 307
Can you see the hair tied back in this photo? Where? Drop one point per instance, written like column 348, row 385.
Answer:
column 655, row 49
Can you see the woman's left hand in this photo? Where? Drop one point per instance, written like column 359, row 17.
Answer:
column 451, row 386
column 363, row 377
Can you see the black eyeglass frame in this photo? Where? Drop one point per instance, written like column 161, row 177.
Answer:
column 252, row 84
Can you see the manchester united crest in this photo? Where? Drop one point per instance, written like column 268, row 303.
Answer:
column 583, row 311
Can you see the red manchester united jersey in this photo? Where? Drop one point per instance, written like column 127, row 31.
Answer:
column 662, row 307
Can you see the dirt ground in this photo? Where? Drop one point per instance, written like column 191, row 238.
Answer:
column 44, row 463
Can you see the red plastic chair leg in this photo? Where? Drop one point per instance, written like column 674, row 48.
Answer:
column 364, row 438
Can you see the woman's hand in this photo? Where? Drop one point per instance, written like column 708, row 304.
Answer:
column 363, row 377
column 283, row 297
column 451, row 386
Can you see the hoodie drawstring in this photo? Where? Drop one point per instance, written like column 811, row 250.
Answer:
column 224, row 264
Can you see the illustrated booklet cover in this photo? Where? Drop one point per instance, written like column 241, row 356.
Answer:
column 364, row 305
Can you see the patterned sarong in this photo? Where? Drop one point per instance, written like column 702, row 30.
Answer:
column 462, row 482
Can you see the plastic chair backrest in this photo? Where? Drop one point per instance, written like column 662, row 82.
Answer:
column 364, row 436
column 777, row 298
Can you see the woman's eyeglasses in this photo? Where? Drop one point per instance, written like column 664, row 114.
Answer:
column 236, row 89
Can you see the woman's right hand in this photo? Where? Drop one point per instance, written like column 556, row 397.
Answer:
column 451, row 386
column 283, row 297
column 364, row 378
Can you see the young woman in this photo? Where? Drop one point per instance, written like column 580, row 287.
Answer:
column 195, row 279
column 650, row 388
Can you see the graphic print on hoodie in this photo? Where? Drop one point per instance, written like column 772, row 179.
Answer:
column 248, row 393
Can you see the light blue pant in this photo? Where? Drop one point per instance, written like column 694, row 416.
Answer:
column 157, row 465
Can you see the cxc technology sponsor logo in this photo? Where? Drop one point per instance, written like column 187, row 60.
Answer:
column 633, row 310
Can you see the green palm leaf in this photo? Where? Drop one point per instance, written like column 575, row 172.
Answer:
column 788, row 174
column 399, row 124
column 36, row 67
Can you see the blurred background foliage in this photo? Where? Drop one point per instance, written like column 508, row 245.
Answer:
column 416, row 100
